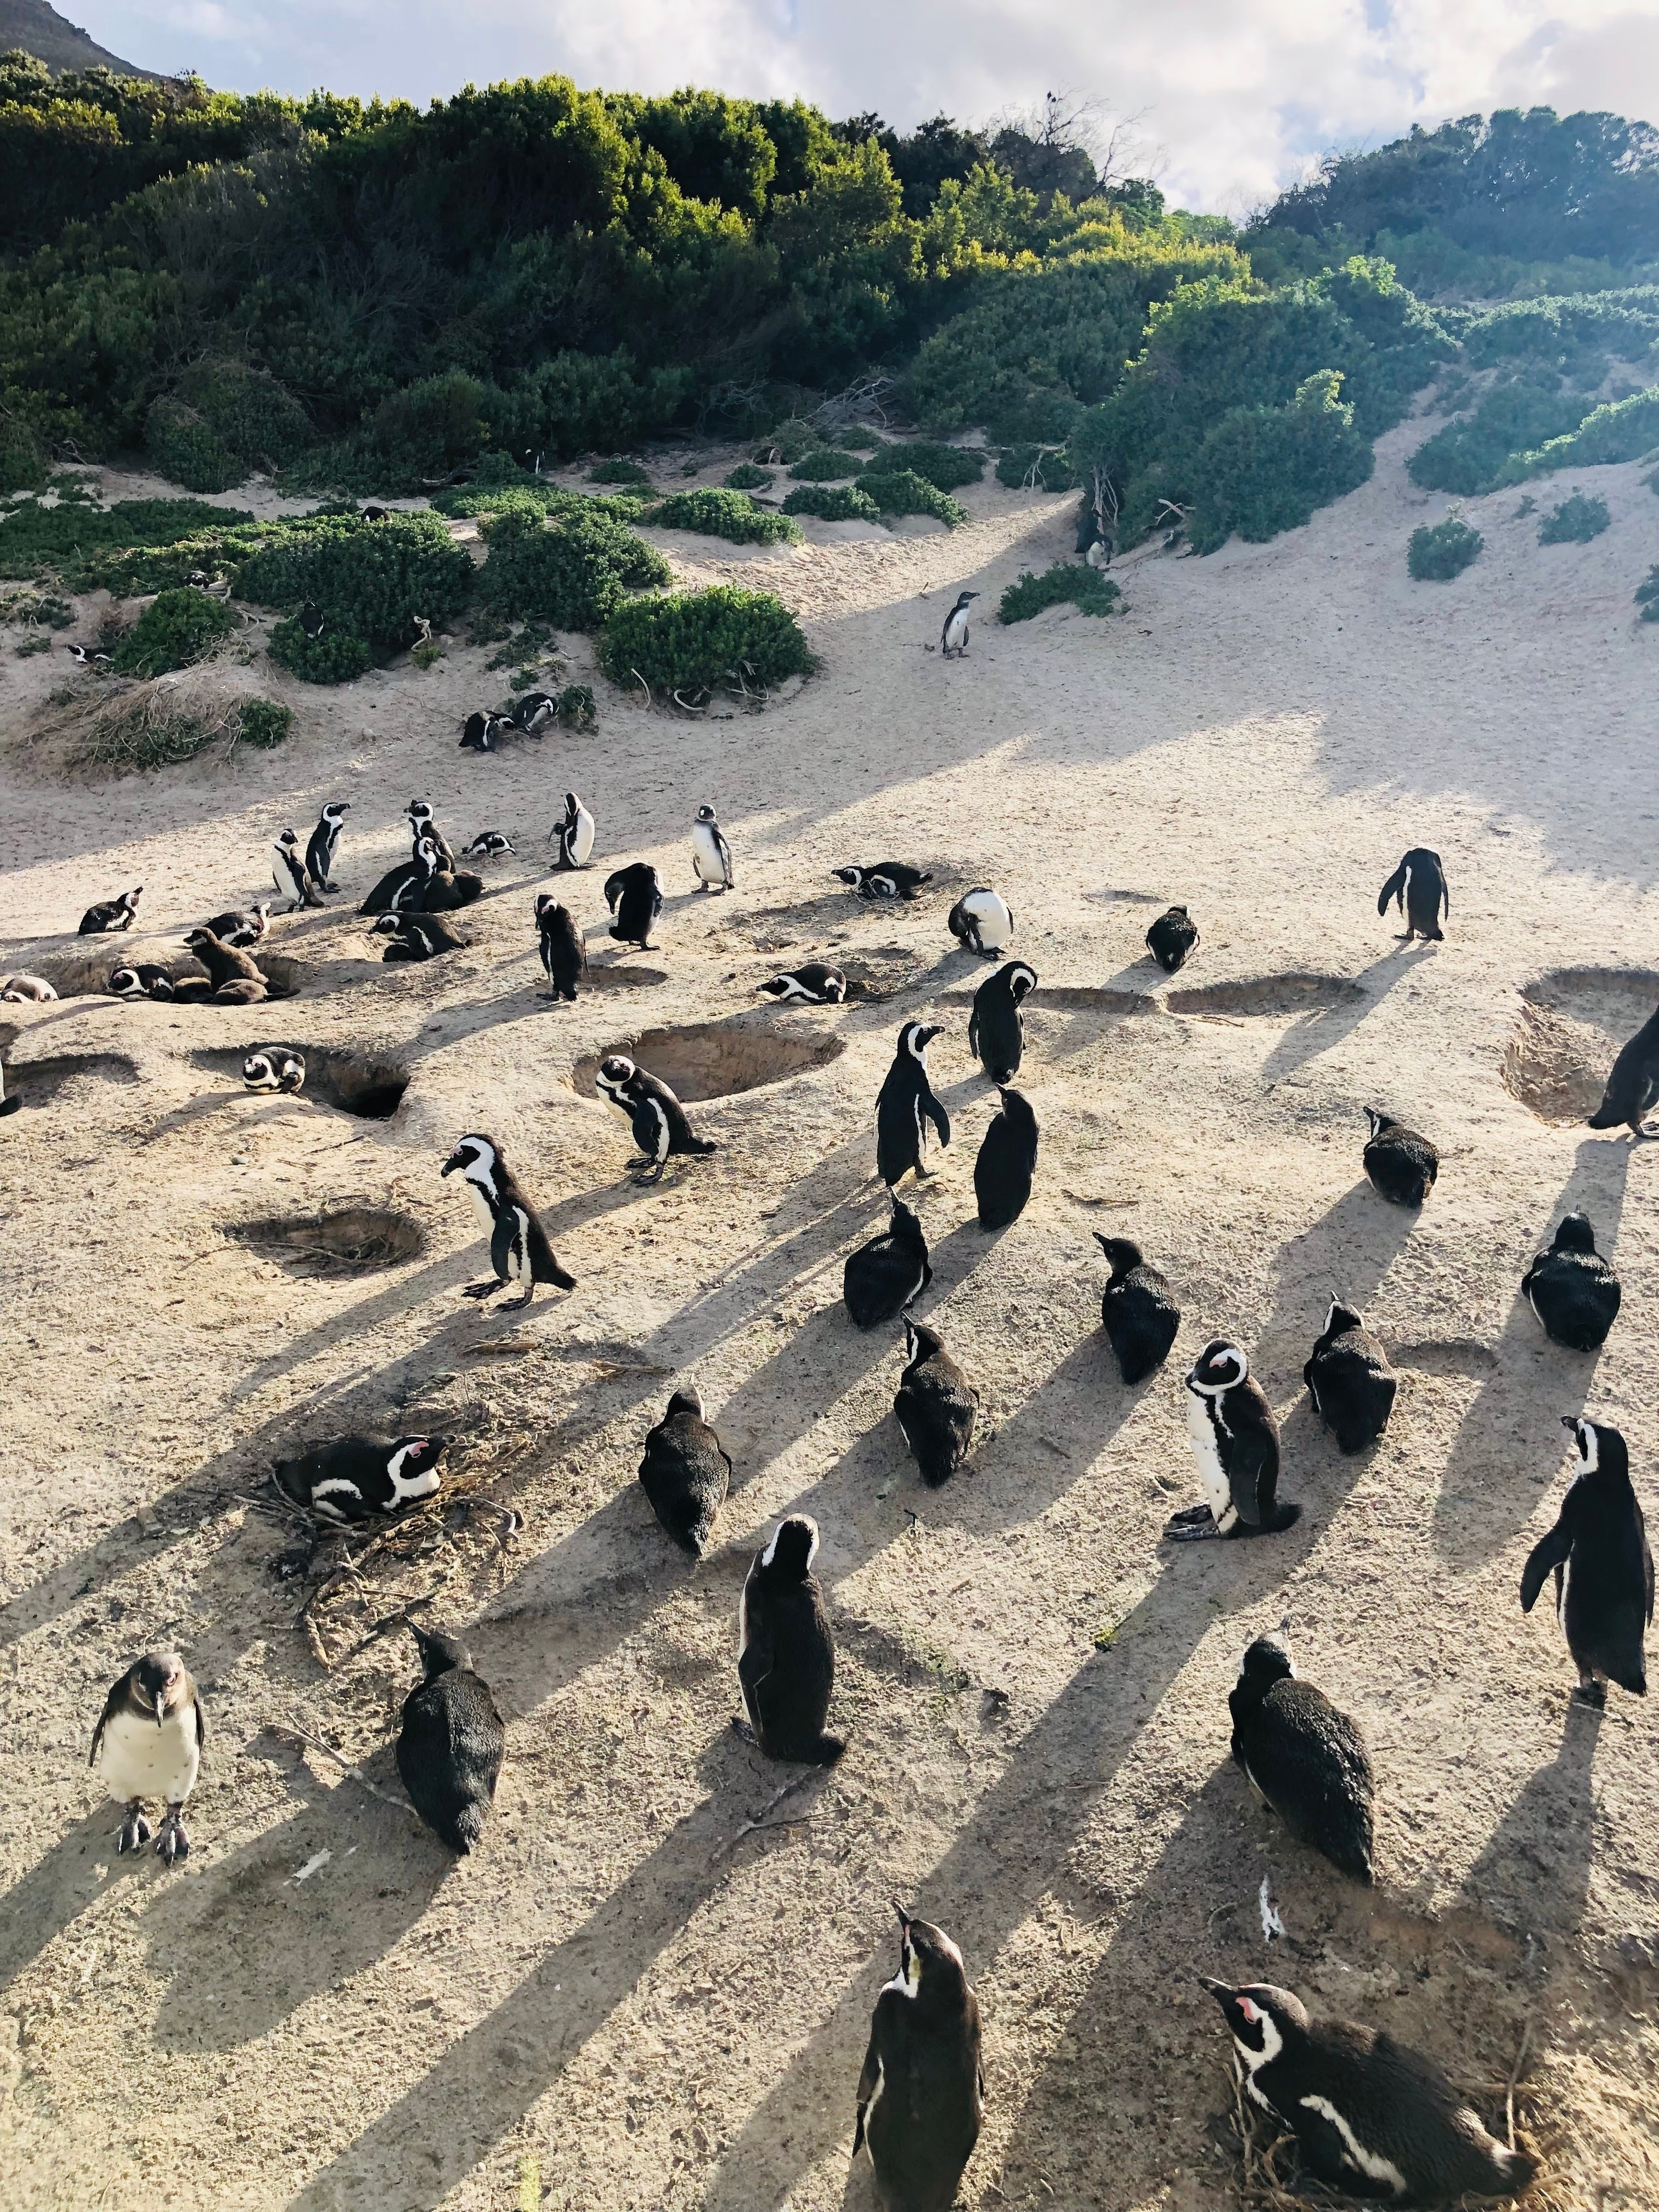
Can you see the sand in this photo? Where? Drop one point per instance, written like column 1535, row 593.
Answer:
column 650, row 1986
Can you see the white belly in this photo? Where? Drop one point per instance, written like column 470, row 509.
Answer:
column 1211, row 1475
column 138, row 1759
column 582, row 837
column 706, row 855
column 481, row 1205
column 996, row 925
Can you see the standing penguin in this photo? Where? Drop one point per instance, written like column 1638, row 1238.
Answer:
column 1402, row 1163
column 1006, row 1162
column 1349, row 1380
column 1632, row 1091
column 982, row 921
column 656, row 1118
column 115, row 914
column 1572, row 1289
column 921, row 2094
column 685, row 1472
column 953, row 638
column 1138, row 1311
column 711, row 856
column 277, row 1068
column 1370, row 2115
column 1235, row 1445
column 450, row 1745
column 1418, row 887
column 934, row 1406
column 354, row 1479
column 1598, row 1553
column 996, row 1027
column 563, row 947
column 324, row 839
column 903, row 1103
column 813, row 984
column 418, row 814
column 1171, row 938
column 519, row 1249
column 289, row 873
column 574, row 833
column 786, row 1652
column 1305, row 1760
column 887, row 1274
column 633, row 895
column 148, row 1744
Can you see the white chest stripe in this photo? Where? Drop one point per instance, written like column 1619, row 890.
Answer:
column 1372, row 2164
column 876, row 2088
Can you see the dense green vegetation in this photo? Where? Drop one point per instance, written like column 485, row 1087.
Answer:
column 1647, row 595
column 176, row 629
column 730, row 514
column 1068, row 582
column 832, row 503
column 894, row 491
column 572, row 567
column 1438, row 551
column 1575, row 522
column 691, row 644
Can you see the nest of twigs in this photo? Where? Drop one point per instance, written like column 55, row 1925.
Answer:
column 110, row 723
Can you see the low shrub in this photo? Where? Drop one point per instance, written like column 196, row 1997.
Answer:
column 859, row 438
column 22, row 456
column 832, row 503
column 257, row 420
column 36, row 641
column 1044, row 468
column 1647, row 595
column 901, row 491
column 726, row 514
column 575, row 708
column 479, row 500
column 1262, row 470
column 159, row 723
column 788, row 441
column 1575, row 522
column 691, row 644
column 182, row 446
column 1087, row 590
column 336, row 657
column 265, row 722
column 42, row 609
column 1622, row 431
column 370, row 580
column 427, row 655
column 1441, row 550
column 572, row 569
column 618, row 471
column 747, row 478
column 75, row 540
column 822, row 465
column 947, row 468
column 176, row 629
column 1468, row 454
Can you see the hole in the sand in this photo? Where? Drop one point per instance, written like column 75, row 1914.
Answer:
column 358, row 1082
column 1071, row 999
column 715, row 1059
column 1287, row 995
column 871, row 977
column 620, row 975
column 1572, row 1024
column 350, row 1240
column 38, row 1081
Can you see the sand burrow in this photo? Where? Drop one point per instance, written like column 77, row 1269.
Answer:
column 86, row 975
column 1572, row 1024
column 358, row 1083
column 1285, row 996
column 716, row 1059
column 37, row 1082
column 347, row 1240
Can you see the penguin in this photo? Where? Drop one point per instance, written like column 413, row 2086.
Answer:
column 563, row 947
column 711, row 856
column 418, row 814
column 1402, row 1163
column 786, row 1651
column 451, row 1743
column 1418, row 887
column 686, row 1472
column 1571, row 1288
column 148, row 1744
column 884, row 879
column 953, row 638
column 1349, row 1380
column 324, row 840
column 654, row 1115
column 481, row 733
column 7, row 1105
column 143, row 982
column 934, row 1406
column 533, row 712
column 812, row 984
column 26, row 990
column 240, row 991
column 904, row 1104
column 996, row 1028
column 491, row 845
column 436, row 887
column 373, row 513
column 1006, row 1161
column 355, row 1479
column 982, row 920
column 1304, row 1758
column 87, row 657
column 1598, row 1553
column 198, row 580
column 633, row 895
column 115, row 913
column 290, row 874
column 1234, row 1443
column 1138, row 1311
column 400, row 887
column 311, row 620
column 417, row 936
column 519, row 1249
column 574, row 835
column 242, row 926
column 921, row 2093
column 887, row 1274
column 1171, row 938
column 1370, row 2116
column 225, row 963
column 274, row 1069
column 1632, row 1089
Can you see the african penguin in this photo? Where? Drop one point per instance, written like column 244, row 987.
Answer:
column 1304, row 1758
column 115, row 913
column 274, row 1069
column 1632, row 1091
column 887, row 1274
column 25, row 990
column 685, row 1472
column 1402, row 1165
column 904, row 1104
column 87, row 657
column 242, row 926
column 289, row 873
column 1370, row 2116
column 921, row 2093
column 440, row 888
column 1571, row 1288
column 573, row 833
column 311, row 620
column 934, row 1406
column 656, row 1118
column 982, row 920
column 633, row 895
column 418, row 814
column 1349, row 1380
column 884, row 879
column 996, row 1028
column 1138, row 1311
column 148, row 1747
column 1006, row 1161
column 1418, row 887
column 325, row 841
column 145, row 981
column 375, row 513
column 451, row 1743
column 563, row 947
column 786, row 1651
column 519, row 1249
column 812, row 984
column 397, row 891
column 711, row 855
column 226, row 964
column 491, row 845
column 1598, row 1553
column 417, row 936
column 360, row 1477
column 533, row 712
column 1235, row 1445
column 1171, row 938
column 953, row 638
column 481, row 733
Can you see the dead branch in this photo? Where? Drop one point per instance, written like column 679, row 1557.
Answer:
column 316, row 1743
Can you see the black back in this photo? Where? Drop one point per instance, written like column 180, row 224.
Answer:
column 1572, row 1290
column 1138, row 1311
column 1349, row 1380
column 1006, row 1162
column 450, row 1747
column 996, row 1028
column 921, row 2092
column 1171, row 938
column 787, row 1665
column 635, row 897
column 365, row 1462
column 563, row 947
column 1418, row 887
column 885, row 1275
column 906, row 1100
column 685, row 1472
column 1598, row 1552
column 934, row 1406
column 1308, row 1760
column 1402, row 1163
column 1632, row 1089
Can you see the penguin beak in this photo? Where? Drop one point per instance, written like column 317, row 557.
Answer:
column 928, row 1033
column 454, row 1162
column 1220, row 1991
column 903, row 1917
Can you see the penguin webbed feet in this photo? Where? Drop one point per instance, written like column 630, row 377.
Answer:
column 518, row 1305
column 1193, row 1524
column 1591, row 1694
column 743, row 1731
column 134, row 1832
column 172, row 1842
column 483, row 1290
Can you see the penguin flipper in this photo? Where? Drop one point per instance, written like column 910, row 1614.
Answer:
column 508, row 1241
column 940, row 1120
column 755, row 1666
column 1548, row 1553
column 869, row 2088
column 1254, row 1456
column 1394, row 889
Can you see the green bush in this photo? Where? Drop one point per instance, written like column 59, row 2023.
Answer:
column 37, row 608
column 1439, row 551
column 947, row 468
column 832, row 503
column 22, row 458
column 1267, row 469
column 181, row 446
column 80, row 541
column 175, row 629
column 1647, row 595
column 619, row 472
column 1086, row 589
column 1049, row 471
column 723, row 514
column 265, row 722
column 1622, row 431
column 571, row 570
column 527, row 492
column 575, row 708
column 747, row 478
column 822, row 465
column 694, row 643
column 859, row 438
column 1467, row 454
column 1575, row 522
column 370, row 580
column 788, row 441
column 256, row 418
column 901, row 491
column 440, row 423
column 336, row 657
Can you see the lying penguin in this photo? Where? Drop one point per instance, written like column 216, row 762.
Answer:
column 1304, row 1758
column 451, row 1741
column 358, row 1478
column 275, row 1069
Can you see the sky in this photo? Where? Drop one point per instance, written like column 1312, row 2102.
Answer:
column 1232, row 98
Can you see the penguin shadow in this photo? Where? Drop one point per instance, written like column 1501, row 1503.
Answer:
column 207, row 1104
column 75, row 1871
column 1345, row 1253
column 1508, row 1446
column 1317, row 1032
column 1533, row 1873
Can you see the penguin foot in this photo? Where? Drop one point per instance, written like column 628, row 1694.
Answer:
column 481, row 1289
column 171, row 1842
column 518, row 1305
column 134, row 1832
column 1593, row 1694
column 742, row 1730
column 1192, row 1526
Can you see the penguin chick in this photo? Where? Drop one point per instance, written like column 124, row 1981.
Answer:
column 1418, row 887
column 1137, row 1310
column 357, row 1478
column 274, row 1070
column 147, row 1746
column 996, row 1027
column 1171, row 938
column 1370, row 2116
column 921, row 2094
column 519, row 1249
column 887, row 1274
column 441, row 889
column 884, row 879
column 711, row 856
column 1349, row 1380
column 685, row 1472
column 1604, row 1569
column 1006, row 1162
column 574, row 835
column 905, row 1104
column 450, row 1745
column 1632, row 1091
column 1572, row 1289
column 1235, row 1445
column 240, row 991
column 115, row 913
column 633, row 895
column 225, row 964
column 1402, row 1163
column 786, row 1651
column 812, row 984
column 491, row 845
column 26, row 990
column 953, row 638
column 982, row 921
column 1305, row 1760
column 563, row 947
column 655, row 1117
column 934, row 1406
